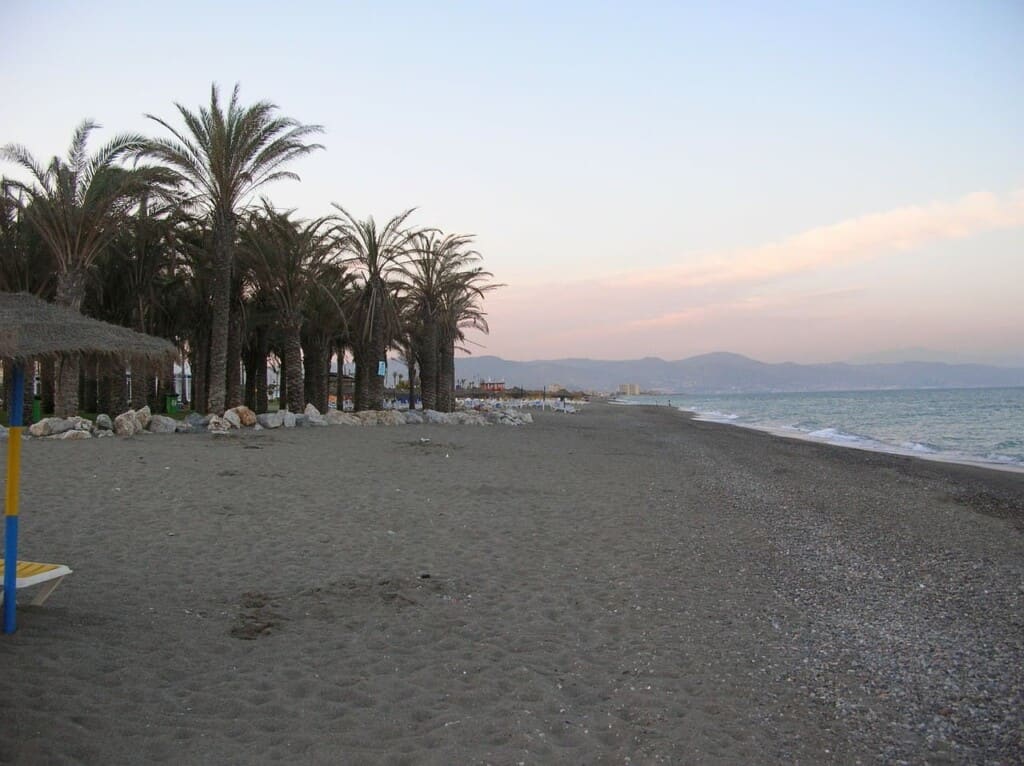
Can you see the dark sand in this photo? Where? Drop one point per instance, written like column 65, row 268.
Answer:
column 619, row 586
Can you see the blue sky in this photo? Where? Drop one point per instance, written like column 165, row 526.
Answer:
column 606, row 153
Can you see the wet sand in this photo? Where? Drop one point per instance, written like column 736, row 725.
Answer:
column 623, row 585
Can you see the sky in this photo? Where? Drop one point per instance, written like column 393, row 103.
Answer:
column 792, row 181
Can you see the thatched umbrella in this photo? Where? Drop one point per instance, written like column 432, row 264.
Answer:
column 32, row 329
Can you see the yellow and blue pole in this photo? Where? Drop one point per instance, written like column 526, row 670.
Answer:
column 11, row 509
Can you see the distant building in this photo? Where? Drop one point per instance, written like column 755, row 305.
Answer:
column 493, row 386
column 629, row 389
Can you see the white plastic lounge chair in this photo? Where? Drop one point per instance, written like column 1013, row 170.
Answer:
column 32, row 573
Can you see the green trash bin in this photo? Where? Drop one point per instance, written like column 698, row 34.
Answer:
column 37, row 409
column 170, row 404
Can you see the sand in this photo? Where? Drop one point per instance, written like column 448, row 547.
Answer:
column 623, row 585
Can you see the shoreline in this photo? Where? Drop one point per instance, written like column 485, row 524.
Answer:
column 857, row 443
column 617, row 583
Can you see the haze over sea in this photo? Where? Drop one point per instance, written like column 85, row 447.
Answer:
column 967, row 425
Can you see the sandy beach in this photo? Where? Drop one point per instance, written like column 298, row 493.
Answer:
column 623, row 585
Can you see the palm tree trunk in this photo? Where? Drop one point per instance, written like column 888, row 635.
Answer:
column 111, row 398
column 224, row 240
column 293, row 365
column 374, row 353
column 446, row 377
column 427, row 356
column 70, row 293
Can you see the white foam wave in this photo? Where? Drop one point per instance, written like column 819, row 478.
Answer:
column 714, row 416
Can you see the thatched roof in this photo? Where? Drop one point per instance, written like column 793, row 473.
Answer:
column 31, row 328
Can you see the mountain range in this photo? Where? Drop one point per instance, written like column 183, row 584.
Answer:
column 730, row 373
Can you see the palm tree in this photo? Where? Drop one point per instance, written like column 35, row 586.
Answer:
column 222, row 158
column 75, row 203
column 460, row 310
column 377, row 254
column 285, row 259
column 326, row 320
column 436, row 269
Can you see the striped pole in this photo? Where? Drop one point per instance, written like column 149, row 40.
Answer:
column 11, row 509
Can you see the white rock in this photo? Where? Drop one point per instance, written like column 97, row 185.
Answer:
column 162, row 424
column 315, row 420
column 245, row 416
column 433, row 416
column 271, row 419
column 336, row 418
column 288, row 419
column 232, row 418
column 143, row 416
column 367, row 417
column 51, row 426
column 413, row 418
column 75, row 434
column 391, row 418
column 310, row 410
column 104, row 422
column 464, row 418
column 218, row 425
column 126, row 424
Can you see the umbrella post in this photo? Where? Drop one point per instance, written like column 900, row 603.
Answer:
column 11, row 508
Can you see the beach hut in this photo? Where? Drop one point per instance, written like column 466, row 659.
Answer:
column 34, row 330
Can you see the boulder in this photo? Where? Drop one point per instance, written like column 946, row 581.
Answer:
column 465, row 418
column 143, row 416
column 51, row 426
column 245, row 416
column 433, row 416
column 218, row 425
column 412, row 417
column 367, row 417
column 391, row 418
column 74, row 434
column 288, row 419
column 104, row 423
column 162, row 424
column 126, row 424
column 232, row 418
column 310, row 410
column 336, row 418
column 315, row 420
column 196, row 420
column 271, row 419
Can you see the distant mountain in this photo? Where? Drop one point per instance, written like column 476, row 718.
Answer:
column 725, row 373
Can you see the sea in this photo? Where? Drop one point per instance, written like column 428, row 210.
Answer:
column 965, row 425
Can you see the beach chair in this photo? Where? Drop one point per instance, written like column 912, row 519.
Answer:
column 31, row 573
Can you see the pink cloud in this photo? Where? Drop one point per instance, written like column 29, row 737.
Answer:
column 739, row 300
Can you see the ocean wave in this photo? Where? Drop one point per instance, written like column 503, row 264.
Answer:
column 924, row 447
column 714, row 416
